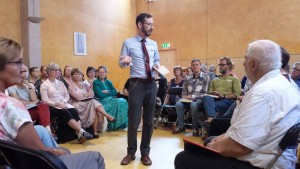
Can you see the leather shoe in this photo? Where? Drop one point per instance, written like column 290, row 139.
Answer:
column 127, row 159
column 146, row 160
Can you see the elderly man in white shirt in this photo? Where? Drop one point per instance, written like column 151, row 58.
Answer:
column 259, row 123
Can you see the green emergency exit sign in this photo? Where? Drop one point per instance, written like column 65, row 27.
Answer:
column 166, row 45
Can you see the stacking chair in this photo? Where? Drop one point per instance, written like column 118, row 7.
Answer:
column 289, row 141
column 16, row 156
column 167, row 107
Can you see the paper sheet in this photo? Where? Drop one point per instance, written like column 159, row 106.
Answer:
column 162, row 70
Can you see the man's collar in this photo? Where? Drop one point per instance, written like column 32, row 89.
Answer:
column 200, row 75
column 138, row 38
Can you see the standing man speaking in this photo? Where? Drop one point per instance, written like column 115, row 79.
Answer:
column 141, row 54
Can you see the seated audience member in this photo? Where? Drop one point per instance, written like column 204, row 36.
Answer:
column 203, row 68
column 91, row 76
column 231, row 71
column 34, row 74
column 67, row 78
column 285, row 58
column 116, row 107
column 259, row 123
column 296, row 73
column 38, row 83
column 88, row 107
column 184, row 72
column 25, row 92
column 225, row 87
column 175, row 82
column 55, row 94
column 16, row 125
column 59, row 74
column 189, row 71
column 211, row 72
column 194, row 87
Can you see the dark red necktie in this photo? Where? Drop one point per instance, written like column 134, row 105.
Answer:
column 147, row 65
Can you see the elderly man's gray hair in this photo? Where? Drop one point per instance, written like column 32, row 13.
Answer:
column 267, row 53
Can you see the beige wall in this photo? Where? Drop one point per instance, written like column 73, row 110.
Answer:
column 106, row 24
column 10, row 19
column 209, row 29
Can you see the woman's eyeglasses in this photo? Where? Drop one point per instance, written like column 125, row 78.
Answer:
column 18, row 63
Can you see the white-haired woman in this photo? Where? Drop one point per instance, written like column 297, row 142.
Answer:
column 55, row 94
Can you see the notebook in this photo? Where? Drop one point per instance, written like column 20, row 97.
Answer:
column 214, row 96
column 189, row 144
column 186, row 100
column 175, row 91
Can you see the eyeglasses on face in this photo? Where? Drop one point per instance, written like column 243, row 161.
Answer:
column 295, row 69
column 222, row 65
column 19, row 62
column 149, row 24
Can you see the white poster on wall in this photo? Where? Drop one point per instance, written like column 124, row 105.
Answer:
column 80, row 44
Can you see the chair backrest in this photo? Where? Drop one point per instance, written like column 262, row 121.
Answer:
column 16, row 156
column 289, row 141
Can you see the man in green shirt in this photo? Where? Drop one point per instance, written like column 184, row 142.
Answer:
column 225, row 89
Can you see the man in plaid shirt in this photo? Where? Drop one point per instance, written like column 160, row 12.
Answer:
column 194, row 87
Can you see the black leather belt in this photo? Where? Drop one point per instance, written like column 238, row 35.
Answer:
column 142, row 80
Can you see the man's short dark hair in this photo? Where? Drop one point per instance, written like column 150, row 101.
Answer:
column 141, row 17
column 196, row 60
column 285, row 58
column 228, row 62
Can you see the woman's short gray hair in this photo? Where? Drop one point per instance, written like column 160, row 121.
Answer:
column 267, row 53
column 52, row 66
